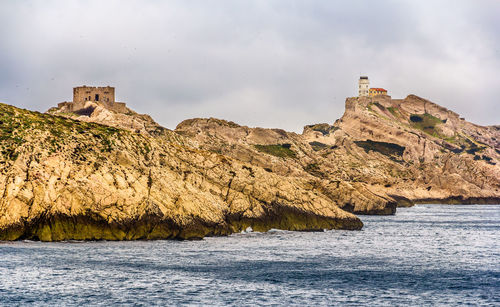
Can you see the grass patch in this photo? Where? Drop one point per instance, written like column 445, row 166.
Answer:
column 473, row 148
column 325, row 129
column 51, row 132
column 393, row 111
column 426, row 122
column 278, row 150
column 318, row 145
column 314, row 170
column 394, row 151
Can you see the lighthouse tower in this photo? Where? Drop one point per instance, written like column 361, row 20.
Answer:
column 364, row 86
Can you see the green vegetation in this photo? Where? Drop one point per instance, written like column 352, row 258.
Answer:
column 314, row 170
column 376, row 112
column 52, row 133
column 65, row 113
column 463, row 143
column 472, row 146
column 10, row 136
column 278, row 150
column 393, row 151
column 318, row 145
column 393, row 111
column 325, row 129
column 427, row 123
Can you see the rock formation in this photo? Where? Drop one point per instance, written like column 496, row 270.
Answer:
column 381, row 152
column 418, row 150
column 119, row 175
column 65, row 179
column 95, row 112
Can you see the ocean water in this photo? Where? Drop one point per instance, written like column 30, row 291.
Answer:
column 425, row 255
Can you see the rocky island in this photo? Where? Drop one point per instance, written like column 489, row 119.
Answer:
column 93, row 169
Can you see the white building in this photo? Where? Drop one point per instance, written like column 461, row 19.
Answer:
column 364, row 86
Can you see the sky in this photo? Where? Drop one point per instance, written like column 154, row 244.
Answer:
column 273, row 63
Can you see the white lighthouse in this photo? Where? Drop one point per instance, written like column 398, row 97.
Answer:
column 364, row 86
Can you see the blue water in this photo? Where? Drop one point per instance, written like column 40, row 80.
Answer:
column 425, row 255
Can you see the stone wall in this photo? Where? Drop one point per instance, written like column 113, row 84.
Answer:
column 119, row 107
column 72, row 106
column 93, row 93
column 85, row 96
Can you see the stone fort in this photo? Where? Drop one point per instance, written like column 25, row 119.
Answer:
column 83, row 95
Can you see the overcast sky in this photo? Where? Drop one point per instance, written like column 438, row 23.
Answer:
column 265, row 63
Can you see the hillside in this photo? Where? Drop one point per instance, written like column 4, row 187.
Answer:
column 439, row 157
column 401, row 150
column 121, row 176
column 64, row 179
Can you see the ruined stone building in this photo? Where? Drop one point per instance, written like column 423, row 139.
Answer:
column 89, row 93
column 84, row 95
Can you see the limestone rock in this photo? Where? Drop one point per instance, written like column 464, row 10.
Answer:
column 382, row 152
column 96, row 112
column 423, row 151
column 64, row 179
column 101, row 174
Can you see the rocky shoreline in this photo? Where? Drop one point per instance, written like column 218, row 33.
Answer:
column 91, row 226
column 96, row 176
column 460, row 201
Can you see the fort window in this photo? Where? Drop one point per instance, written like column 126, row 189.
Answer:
column 96, row 97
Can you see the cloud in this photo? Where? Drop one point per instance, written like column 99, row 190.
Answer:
column 259, row 63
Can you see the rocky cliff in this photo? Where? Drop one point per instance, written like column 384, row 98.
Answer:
column 381, row 152
column 418, row 150
column 107, row 175
column 65, row 179
column 96, row 112
column 290, row 155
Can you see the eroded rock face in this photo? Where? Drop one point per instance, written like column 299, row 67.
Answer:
column 445, row 158
column 381, row 152
column 289, row 154
column 95, row 112
column 64, row 179
column 70, row 178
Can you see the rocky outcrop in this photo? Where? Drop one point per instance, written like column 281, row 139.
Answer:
column 64, row 179
column 287, row 154
column 383, row 152
column 112, row 175
column 422, row 151
column 97, row 112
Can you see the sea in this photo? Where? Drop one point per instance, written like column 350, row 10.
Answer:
column 427, row 255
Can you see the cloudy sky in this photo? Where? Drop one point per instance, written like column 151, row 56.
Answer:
column 259, row 63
